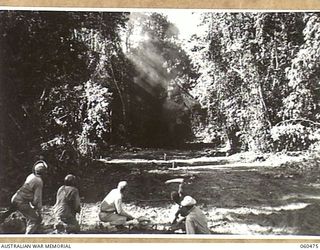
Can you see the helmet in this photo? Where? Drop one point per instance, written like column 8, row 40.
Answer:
column 40, row 167
column 70, row 180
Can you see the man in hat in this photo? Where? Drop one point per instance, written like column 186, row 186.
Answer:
column 178, row 221
column 28, row 199
column 67, row 206
column 196, row 221
column 111, row 209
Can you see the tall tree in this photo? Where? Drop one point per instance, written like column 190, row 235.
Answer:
column 246, row 55
column 47, row 75
column 300, row 109
column 164, row 73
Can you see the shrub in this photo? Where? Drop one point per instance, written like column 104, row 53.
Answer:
column 294, row 136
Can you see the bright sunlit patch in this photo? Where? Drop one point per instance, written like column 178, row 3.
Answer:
column 220, row 213
column 249, row 229
column 186, row 21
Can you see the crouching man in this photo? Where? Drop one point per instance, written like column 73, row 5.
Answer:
column 196, row 221
column 111, row 209
column 178, row 221
column 67, row 206
column 28, row 199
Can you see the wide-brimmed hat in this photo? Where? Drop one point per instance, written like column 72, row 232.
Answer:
column 40, row 167
column 188, row 201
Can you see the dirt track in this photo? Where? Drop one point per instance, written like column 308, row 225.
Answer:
column 239, row 197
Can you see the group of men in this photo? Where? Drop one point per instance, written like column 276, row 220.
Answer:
column 28, row 201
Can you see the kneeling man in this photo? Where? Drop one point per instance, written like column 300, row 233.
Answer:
column 111, row 209
column 196, row 221
column 67, row 206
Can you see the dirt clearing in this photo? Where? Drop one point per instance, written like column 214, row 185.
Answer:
column 240, row 196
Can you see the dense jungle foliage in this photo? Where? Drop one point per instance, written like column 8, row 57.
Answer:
column 77, row 85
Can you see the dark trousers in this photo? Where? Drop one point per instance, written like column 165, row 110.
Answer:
column 112, row 218
column 31, row 215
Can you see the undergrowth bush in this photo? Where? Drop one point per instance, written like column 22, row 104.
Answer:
column 292, row 137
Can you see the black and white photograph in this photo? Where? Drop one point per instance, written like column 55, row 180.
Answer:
column 159, row 122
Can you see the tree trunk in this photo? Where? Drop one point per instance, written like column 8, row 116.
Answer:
column 234, row 140
column 260, row 125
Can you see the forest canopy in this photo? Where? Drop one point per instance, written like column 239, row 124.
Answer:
column 76, row 84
